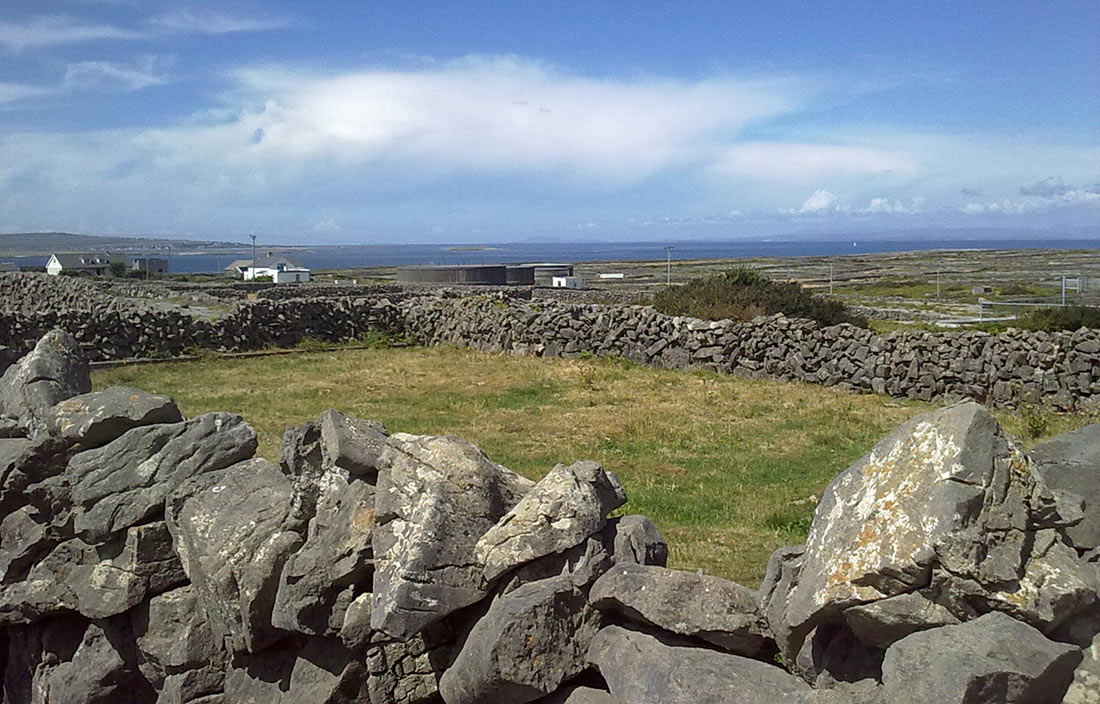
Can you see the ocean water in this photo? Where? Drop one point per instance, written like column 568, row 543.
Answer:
column 351, row 256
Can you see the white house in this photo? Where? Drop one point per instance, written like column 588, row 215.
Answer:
column 279, row 269
column 567, row 282
column 91, row 264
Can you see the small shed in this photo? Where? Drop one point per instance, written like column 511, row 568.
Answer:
column 567, row 282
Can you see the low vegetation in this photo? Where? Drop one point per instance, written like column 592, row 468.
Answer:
column 742, row 294
column 729, row 468
column 1053, row 319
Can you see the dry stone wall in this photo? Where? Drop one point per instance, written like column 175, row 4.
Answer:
column 150, row 558
column 1058, row 369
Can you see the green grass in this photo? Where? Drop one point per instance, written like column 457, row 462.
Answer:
column 729, row 468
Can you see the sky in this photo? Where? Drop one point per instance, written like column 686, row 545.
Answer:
column 383, row 122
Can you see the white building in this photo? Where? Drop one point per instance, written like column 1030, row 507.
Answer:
column 89, row 264
column 279, row 273
column 567, row 282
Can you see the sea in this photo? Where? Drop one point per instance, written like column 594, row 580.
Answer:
column 360, row 256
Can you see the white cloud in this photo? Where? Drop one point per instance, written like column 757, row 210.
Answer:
column 802, row 161
column 14, row 92
column 884, row 205
column 500, row 113
column 818, row 202
column 57, row 29
column 108, row 75
column 184, row 21
column 51, row 30
column 328, row 226
column 1052, row 186
column 1062, row 198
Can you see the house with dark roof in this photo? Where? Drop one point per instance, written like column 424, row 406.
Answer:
column 90, row 264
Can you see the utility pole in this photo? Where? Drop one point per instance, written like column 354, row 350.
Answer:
column 830, row 279
column 668, row 270
column 937, row 284
column 253, row 236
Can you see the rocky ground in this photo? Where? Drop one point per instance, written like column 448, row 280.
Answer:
column 145, row 557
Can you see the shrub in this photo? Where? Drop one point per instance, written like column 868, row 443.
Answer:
column 1053, row 319
column 742, row 294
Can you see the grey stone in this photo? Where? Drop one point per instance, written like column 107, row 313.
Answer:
column 1071, row 462
column 69, row 662
column 234, row 530
column 333, row 565
column 96, row 580
column 716, row 610
column 1085, row 687
column 125, row 482
column 947, row 497
column 172, row 635
column 352, row 444
column 527, row 644
column 559, row 512
column 95, row 419
column 994, row 658
column 881, row 623
column 309, row 671
column 638, row 540
column 408, row 672
column 29, row 474
column 641, row 669
column 53, row 371
column 579, row 695
column 436, row 497
column 356, row 631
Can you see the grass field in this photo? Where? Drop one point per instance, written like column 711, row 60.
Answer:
column 729, row 468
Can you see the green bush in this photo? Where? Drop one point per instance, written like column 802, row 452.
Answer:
column 1053, row 319
column 742, row 294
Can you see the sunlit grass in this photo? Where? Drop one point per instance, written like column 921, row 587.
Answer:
column 729, row 468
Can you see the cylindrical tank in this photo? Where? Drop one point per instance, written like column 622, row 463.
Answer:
column 521, row 275
column 483, row 274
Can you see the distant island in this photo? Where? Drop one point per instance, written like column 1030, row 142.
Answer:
column 471, row 248
column 29, row 244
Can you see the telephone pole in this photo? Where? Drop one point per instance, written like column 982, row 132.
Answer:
column 253, row 236
column 668, row 270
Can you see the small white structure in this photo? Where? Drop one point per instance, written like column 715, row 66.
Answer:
column 280, row 274
column 612, row 276
column 567, row 282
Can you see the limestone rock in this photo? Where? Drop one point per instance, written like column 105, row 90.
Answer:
column 95, row 419
column 881, row 623
column 333, row 566
column 994, row 658
column 529, row 641
column 309, row 671
column 352, row 444
column 560, row 511
column 125, row 482
column 579, row 695
column 1085, row 688
column 715, row 610
column 173, row 637
column 53, row 371
column 408, row 672
column 638, row 540
column 436, row 497
column 234, row 530
column 948, row 493
column 1071, row 462
column 641, row 669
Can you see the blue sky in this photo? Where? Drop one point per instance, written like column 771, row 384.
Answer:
column 341, row 122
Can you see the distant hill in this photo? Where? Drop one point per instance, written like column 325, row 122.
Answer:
column 33, row 243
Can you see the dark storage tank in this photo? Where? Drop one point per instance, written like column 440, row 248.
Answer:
column 521, row 276
column 483, row 274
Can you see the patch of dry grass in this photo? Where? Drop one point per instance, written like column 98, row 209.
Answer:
column 729, row 468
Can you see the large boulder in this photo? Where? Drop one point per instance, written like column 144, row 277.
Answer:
column 994, row 658
column 297, row 671
column 527, row 644
column 945, row 502
column 1071, row 463
column 53, row 371
column 234, row 530
column 125, row 482
column 334, row 440
column 74, row 662
column 95, row 419
column 715, row 610
column 333, row 566
column 566, row 506
column 881, row 623
column 642, row 669
column 436, row 497
column 173, row 638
